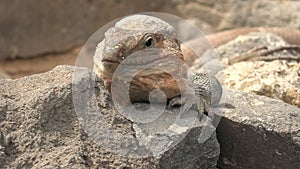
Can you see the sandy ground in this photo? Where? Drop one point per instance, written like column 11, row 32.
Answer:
column 16, row 68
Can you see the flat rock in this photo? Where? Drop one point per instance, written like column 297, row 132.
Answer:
column 259, row 132
column 64, row 119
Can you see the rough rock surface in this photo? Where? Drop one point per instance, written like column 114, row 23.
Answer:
column 279, row 79
column 40, row 128
column 259, row 132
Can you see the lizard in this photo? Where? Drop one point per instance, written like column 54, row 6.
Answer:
column 144, row 33
column 151, row 42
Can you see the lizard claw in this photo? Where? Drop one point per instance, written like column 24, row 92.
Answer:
column 176, row 101
column 191, row 102
column 186, row 102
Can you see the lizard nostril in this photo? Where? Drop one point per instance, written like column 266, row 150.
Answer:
column 121, row 55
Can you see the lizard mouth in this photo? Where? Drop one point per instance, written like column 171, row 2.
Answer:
column 110, row 62
column 142, row 58
column 145, row 58
column 132, row 61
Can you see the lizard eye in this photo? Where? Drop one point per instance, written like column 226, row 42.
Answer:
column 149, row 41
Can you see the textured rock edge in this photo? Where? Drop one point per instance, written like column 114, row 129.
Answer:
column 43, row 129
column 259, row 133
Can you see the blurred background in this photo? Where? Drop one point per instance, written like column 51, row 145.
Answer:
column 35, row 35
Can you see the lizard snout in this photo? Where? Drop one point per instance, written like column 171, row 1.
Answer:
column 114, row 55
column 110, row 60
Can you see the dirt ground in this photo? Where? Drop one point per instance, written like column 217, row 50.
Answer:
column 20, row 67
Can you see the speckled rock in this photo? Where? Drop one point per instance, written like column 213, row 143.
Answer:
column 258, row 132
column 278, row 79
column 42, row 126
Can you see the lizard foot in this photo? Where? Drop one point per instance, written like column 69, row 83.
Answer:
column 188, row 102
column 185, row 101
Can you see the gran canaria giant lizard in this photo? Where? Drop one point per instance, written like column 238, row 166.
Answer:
column 149, row 43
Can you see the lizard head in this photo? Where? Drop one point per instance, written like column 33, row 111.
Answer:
column 132, row 34
column 138, row 40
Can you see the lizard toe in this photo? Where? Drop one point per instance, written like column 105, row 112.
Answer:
column 185, row 101
column 176, row 101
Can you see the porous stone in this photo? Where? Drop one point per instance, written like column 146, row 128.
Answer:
column 58, row 119
column 258, row 132
column 279, row 79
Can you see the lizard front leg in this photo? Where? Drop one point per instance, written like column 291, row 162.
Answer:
column 199, row 94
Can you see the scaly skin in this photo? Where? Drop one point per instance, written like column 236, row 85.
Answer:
column 141, row 41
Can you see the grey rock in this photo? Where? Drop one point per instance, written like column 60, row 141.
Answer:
column 175, row 142
column 259, row 132
column 277, row 78
column 55, row 119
